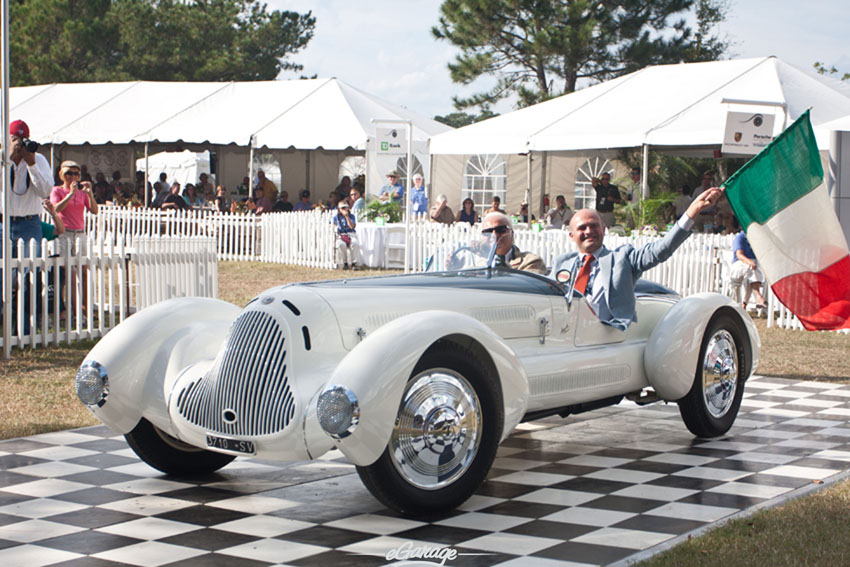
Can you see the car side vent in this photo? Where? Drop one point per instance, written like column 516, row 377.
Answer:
column 248, row 381
column 291, row 307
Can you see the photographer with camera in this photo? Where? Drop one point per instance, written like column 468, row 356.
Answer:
column 31, row 181
column 72, row 199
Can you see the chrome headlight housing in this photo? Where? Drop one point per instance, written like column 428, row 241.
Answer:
column 338, row 411
column 92, row 383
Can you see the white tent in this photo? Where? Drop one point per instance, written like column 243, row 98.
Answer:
column 301, row 114
column 672, row 107
column 183, row 167
column 311, row 125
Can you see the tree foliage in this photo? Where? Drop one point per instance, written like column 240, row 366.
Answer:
column 830, row 71
column 459, row 119
column 162, row 40
column 538, row 49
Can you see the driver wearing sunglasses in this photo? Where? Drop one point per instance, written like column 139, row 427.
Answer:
column 507, row 254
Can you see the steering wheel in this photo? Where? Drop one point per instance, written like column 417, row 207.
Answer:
column 453, row 262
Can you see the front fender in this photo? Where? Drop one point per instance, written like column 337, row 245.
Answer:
column 378, row 369
column 671, row 354
column 146, row 352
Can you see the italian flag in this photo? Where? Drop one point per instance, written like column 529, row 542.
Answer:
column 781, row 203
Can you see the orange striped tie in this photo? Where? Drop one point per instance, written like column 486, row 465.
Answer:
column 583, row 274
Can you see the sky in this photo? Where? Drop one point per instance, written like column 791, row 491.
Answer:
column 386, row 48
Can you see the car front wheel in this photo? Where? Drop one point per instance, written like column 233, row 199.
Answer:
column 172, row 456
column 709, row 409
column 445, row 436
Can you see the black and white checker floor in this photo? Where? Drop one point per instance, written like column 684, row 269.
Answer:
column 593, row 489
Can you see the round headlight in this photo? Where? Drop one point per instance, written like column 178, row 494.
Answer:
column 92, row 383
column 338, row 411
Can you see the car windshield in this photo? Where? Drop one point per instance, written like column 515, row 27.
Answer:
column 462, row 256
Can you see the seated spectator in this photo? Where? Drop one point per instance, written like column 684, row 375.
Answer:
column 139, row 187
column 84, row 174
column 220, row 202
column 116, row 183
column 267, row 185
column 103, row 191
column 304, row 204
column 494, row 206
column 344, row 188
column 682, row 200
column 560, row 215
column 347, row 248
column 162, row 192
column 523, row 214
column 191, row 196
column 468, row 212
column 55, row 230
column 441, row 212
column 745, row 271
column 262, row 203
column 333, row 201
column 173, row 200
column 507, row 254
column 244, row 187
column 282, row 205
column 355, row 199
column 204, row 188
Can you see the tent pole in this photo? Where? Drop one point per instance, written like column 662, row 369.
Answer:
column 541, row 211
column 409, row 125
column 529, row 164
column 147, row 173
column 4, row 177
column 644, row 178
column 250, row 163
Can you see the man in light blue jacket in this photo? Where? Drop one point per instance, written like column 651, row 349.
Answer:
column 610, row 275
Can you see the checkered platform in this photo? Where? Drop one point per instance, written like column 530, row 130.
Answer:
column 589, row 490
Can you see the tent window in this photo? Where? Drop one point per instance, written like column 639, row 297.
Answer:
column 485, row 177
column 270, row 166
column 401, row 166
column 592, row 167
column 353, row 167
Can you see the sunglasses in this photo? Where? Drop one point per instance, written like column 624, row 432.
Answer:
column 72, row 172
column 497, row 229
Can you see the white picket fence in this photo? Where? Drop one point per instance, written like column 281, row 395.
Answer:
column 307, row 239
column 236, row 235
column 120, row 280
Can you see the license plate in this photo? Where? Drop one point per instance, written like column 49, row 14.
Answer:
column 234, row 445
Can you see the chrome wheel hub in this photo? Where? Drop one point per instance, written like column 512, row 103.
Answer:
column 720, row 373
column 438, row 429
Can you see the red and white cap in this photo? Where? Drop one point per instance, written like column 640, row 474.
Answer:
column 20, row 129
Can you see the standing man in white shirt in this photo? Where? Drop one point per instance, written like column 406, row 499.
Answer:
column 31, row 182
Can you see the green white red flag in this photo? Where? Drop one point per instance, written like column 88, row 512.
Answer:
column 781, row 203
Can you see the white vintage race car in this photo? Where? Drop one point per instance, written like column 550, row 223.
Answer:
column 415, row 378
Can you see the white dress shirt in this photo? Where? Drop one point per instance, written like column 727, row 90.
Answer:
column 26, row 200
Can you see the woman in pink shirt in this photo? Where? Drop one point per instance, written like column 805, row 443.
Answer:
column 71, row 200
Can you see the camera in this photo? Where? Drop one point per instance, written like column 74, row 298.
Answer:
column 30, row 145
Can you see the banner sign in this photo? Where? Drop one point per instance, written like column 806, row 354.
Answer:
column 391, row 141
column 747, row 132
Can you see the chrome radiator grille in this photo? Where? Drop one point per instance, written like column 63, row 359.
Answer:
column 247, row 391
